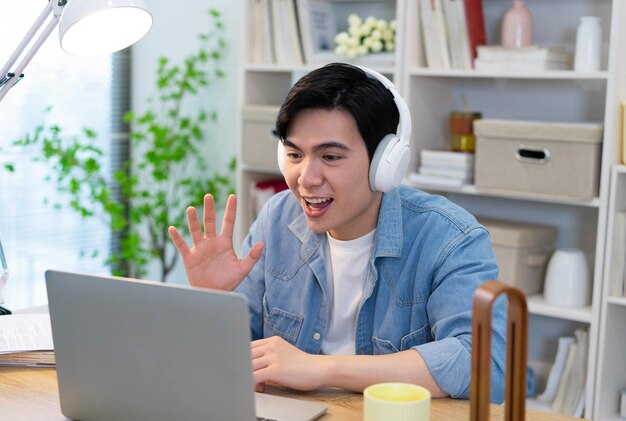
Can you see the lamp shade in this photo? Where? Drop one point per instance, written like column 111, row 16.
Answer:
column 95, row 27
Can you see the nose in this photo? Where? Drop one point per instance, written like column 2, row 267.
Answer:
column 310, row 173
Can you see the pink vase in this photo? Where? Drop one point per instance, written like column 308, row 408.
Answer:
column 517, row 26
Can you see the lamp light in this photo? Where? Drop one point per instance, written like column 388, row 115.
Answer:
column 87, row 28
column 96, row 27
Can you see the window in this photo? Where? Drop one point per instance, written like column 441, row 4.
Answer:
column 83, row 92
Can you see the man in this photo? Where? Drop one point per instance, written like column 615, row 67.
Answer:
column 350, row 283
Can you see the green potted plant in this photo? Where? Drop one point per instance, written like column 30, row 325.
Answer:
column 168, row 171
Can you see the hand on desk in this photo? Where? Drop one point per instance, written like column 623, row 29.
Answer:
column 277, row 361
column 211, row 262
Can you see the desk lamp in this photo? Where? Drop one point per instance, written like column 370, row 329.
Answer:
column 86, row 28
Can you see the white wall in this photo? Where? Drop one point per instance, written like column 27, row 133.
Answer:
column 174, row 35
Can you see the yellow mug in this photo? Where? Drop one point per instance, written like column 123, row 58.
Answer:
column 396, row 402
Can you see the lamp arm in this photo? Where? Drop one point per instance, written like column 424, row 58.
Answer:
column 9, row 79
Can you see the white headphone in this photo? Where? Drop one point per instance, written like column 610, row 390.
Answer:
column 393, row 153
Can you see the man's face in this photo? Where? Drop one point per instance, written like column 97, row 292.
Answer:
column 326, row 167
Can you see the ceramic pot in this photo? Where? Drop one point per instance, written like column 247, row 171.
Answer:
column 517, row 26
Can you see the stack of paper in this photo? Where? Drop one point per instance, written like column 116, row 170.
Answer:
column 533, row 58
column 26, row 339
column 444, row 168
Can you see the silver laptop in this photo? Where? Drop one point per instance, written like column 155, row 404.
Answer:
column 138, row 350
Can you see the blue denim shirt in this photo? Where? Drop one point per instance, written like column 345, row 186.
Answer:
column 429, row 257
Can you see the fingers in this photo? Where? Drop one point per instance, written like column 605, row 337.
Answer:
column 178, row 240
column 253, row 256
column 194, row 225
column 210, row 223
column 259, row 387
column 228, row 223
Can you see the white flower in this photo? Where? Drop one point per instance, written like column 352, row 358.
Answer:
column 341, row 37
column 377, row 46
column 364, row 37
column 371, row 21
column 354, row 20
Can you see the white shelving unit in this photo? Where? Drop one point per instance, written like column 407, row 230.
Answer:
column 611, row 377
column 565, row 96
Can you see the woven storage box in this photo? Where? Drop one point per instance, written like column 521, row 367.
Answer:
column 560, row 159
column 522, row 251
column 259, row 142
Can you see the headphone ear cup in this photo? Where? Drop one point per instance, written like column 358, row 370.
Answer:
column 389, row 164
column 280, row 156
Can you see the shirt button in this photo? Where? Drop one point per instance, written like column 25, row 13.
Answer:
column 317, row 336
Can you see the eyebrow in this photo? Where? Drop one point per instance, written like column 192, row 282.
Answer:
column 321, row 146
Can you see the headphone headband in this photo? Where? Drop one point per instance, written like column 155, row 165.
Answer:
column 404, row 122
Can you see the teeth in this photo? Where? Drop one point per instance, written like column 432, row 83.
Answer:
column 316, row 200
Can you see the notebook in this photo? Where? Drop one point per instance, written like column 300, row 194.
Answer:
column 138, row 350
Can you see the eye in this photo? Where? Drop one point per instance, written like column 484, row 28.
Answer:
column 293, row 155
column 331, row 157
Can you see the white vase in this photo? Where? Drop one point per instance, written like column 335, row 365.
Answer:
column 588, row 44
column 567, row 282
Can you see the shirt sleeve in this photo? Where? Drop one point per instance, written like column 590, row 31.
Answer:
column 463, row 265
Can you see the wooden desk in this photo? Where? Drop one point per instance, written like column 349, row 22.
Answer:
column 32, row 394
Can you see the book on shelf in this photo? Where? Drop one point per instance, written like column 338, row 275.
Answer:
column 458, row 38
column 447, row 172
column 617, row 264
column 557, row 369
column 318, row 28
column 446, row 158
column 532, row 58
column 437, row 181
column 475, row 19
column 262, row 191
column 287, row 46
column 262, row 36
column 519, row 66
column 434, row 34
column 571, row 388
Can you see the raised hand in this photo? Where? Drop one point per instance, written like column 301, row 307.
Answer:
column 211, row 261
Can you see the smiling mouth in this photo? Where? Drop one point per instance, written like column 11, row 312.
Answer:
column 317, row 203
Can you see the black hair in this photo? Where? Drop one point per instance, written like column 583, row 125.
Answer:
column 348, row 88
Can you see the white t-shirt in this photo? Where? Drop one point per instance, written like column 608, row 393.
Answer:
column 347, row 272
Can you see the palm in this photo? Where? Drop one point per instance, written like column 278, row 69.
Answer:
column 211, row 261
